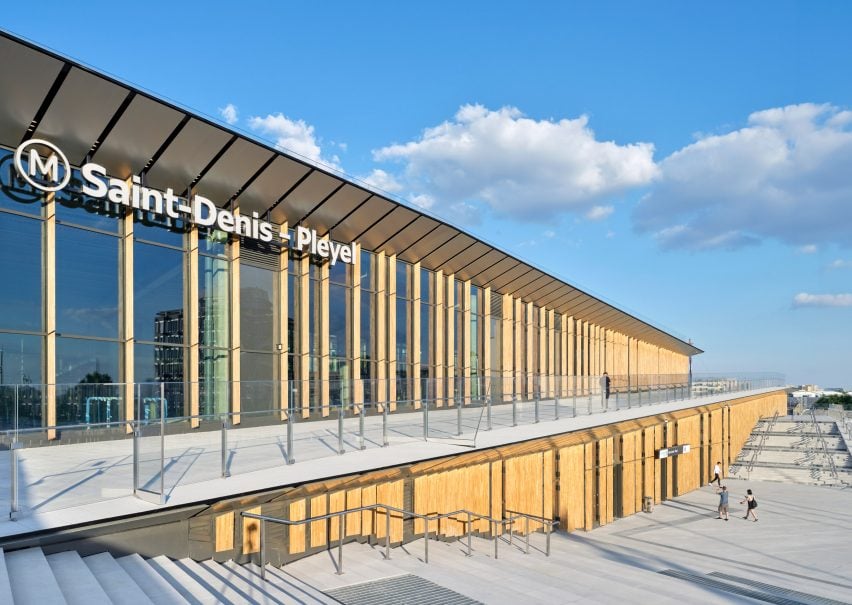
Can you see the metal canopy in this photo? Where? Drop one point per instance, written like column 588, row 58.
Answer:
column 131, row 132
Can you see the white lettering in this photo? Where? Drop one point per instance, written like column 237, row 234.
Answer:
column 94, row 175
column 303, row 237
column 199, row 203
column 49, row 168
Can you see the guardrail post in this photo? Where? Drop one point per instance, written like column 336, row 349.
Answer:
column 135, row 456
column 291, row 418
column 488, row 410
column 363, row 410
column 527, row 531
column 14, row 509
column 426, row 544
column 385, row 425
column 496, row 540
column 425, row 404
column 340, row 413
column 387, row 534
column 547, row 547
column 458, row 416
column 555, row 408
column 341, row 526
column 514, row 411
column 469, row 543
column 262, row 550
column 536, row 407
column 225, row 448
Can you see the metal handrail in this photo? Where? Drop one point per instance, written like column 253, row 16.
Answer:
column 756, row 453
column 830, row 458
column 388, row 509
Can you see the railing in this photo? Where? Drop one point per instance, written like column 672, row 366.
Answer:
column 427, row 519
column 832, row 467
column 756, row 453
column 441, row 410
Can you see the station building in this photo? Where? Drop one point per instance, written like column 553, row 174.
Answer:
column 144, row 244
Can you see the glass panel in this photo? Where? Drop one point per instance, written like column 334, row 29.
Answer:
column 86, row 283
column 367, row 269
column 80, row 360
column 15, row 193
column 426, row 285
column 258, row 384
column 292, row 314
column 212, row 242
column 258, row 296
column 20, row 273
column 339, row 318
column 158, row 293
column 425, row 334
column 20, row 364
column 159, row 228
column 338, row 273
column 213, row 301
column 213, row 373
column 157, row 363
column 402, row 279
column 367, row 327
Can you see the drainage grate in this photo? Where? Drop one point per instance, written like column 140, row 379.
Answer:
column 731, row 588
column 794, row 594
column 400, row 590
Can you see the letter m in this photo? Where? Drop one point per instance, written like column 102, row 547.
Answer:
column 46, row 168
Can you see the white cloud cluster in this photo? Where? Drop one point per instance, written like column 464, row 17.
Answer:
column 803, row 299
column 293, row 135
column 785, row 176
column 840, row 264
column 519, row 167
column 229, row 113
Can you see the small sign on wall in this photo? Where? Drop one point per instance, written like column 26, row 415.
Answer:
column 674, row 450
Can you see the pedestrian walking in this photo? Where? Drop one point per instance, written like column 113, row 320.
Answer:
column 605, row 382
column 717, row 475
column 723, row 503
column 751, row 501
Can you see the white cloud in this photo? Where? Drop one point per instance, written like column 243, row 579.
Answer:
column 808, row 249
column 549, row 233
column 229, row 113
column 379, row 179
column 804, row 299
column 840, row 264
column 293, row 135
column 784, row 176
column 598, row 213
column 519, row 167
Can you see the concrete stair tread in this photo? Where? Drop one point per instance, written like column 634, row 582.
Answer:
column 75, row 579
column 226, row 588
column 32, row 579
column 256, row 587
column 187, row 586
column 5, row 586
column 117, row 583
column 296, row 590
column 151, row 582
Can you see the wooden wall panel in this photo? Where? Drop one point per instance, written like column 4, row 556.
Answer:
column 319, row 506
column 297, row 532
column 224, row 528
column 251, row 532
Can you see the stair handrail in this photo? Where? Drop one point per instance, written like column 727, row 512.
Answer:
column 388, row 509
column 756, row 453
column 831, row 464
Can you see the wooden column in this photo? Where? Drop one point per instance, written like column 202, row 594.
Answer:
column 414, row 331
column 528, row 335
column 440, row 352
column 324, row 374
column 49, row 252
column 304, row 335
column 391, row 353
column 191, row 324
column 234, row 309
column 507, row 348
column 126, row 317
column 552, row 370
column 519, row 339
column 464, row 339
column 355, row 332
column 285, row 347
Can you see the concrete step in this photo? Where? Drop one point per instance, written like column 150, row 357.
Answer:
column 281, row 584
column 153, row 584
column 255, row 588
column 32, row 579
column 75, row 579
column 226, row 589
column 186, row 585
column 5, row 587
column 119, row 586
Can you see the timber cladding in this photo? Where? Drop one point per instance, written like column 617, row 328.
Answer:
column 584, row 479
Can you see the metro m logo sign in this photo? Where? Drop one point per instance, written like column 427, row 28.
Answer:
column 43, row 165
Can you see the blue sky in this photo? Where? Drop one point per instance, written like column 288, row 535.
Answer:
column 687, row 162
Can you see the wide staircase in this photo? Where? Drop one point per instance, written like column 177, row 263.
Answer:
column 805, row 449
column 29, row 577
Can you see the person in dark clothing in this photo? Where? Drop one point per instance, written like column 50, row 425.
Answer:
column 605, row 382
column 752, row 504
column 723, row 503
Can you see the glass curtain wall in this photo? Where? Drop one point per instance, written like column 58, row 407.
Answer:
column 22, row 332
column 213, row 322
column 339, row 345
column 427, row 323
column 403, row 330
column 367, row 345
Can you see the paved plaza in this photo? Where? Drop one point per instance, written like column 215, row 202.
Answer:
column 799, row 550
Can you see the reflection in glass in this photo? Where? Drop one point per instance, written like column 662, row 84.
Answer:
column 20, row 273
column 159, row 363
column 213, row 302
column 20, row 367
column 213, row 374
column 86, row 283
column 258, row 296
column 258, row 385
column 73, row 207
column 158, row 293
column 15, row 193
